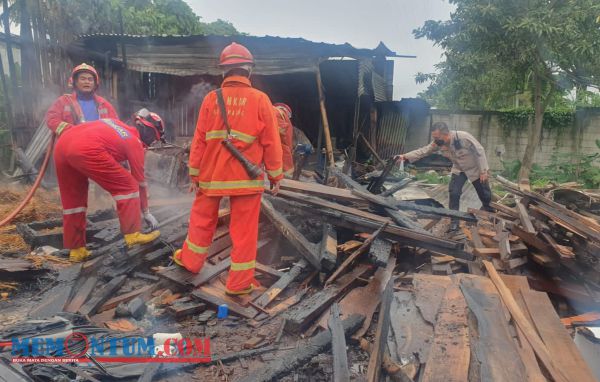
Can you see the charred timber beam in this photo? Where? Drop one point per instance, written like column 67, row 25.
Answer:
column 436, row 211
column 285, row 364
column 307, row 249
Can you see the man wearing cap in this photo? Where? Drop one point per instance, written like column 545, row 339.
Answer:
column 83, row 105
column 238, row 115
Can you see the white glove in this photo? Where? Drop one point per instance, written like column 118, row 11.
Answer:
column 150, row 220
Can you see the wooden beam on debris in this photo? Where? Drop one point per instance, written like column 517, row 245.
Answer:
column 215, row 298
column 287, row 362
column 403, row 205
column 54, row 300
column 341, row 373
column 396, row 187
column 280, row 285
column 450, row 354
column 320, row 190
column 102, row 295
column 380, row 252
column 307, row 311
column 524, row 217
column 307, row 249
column 525, row 326
column 381, row 335
column 82, row 295
column 359, row 251
column 328, row 248
column 356, row 219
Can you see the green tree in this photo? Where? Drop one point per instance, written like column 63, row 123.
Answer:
column 499, row 47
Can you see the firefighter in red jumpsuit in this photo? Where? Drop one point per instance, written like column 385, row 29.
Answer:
column 83, row 105
column 93, row 151
column 286, row 134
column 215, row 173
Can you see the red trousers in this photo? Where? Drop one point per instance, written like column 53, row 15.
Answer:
column 74, row 166
column 243, row 229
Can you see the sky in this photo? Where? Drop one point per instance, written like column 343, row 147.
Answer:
column 363, row 24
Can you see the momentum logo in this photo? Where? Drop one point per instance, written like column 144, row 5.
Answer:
column 77, row 347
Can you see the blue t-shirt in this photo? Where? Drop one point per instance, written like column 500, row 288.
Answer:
column 89, row 109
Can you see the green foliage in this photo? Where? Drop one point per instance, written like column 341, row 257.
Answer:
column 563, row 168
column 558, row 119
column 140, row 17
column 495, row 49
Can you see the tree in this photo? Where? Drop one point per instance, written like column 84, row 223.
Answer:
column 534, row 44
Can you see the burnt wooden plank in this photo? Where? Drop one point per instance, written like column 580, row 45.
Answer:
column 216, row 298
column 341, row 373
column 287, row 362
column 505, row 209
column 529, row 332
column 355, row 219
column 151, row 370
column 92, row 305
column 208, row 272
column 126, row 297
column 283, row 282
column 524, row 217
column 396, row 187
column 307, row 249
column 531, row 239
column 359, row 251
column 475, row 238
column 426, row 210
column 328, row 249
column 303, row 314
column 54, row 300
column 316, row 189
column 383, row 327
column 450, row 354
column 556, row 338
column 267, row 270
column 380, row 252
column 497, row 354
column 403, row 220
column 187, row 309
column 82, row 295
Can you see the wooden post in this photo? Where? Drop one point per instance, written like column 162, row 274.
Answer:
column 326, row 132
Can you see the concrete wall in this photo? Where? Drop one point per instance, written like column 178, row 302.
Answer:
column 486, row 127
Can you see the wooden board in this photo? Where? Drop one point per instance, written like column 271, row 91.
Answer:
column 216, row 297
column 82, row 295
column 307, row 249
column 306, row 312
column 328, row 247
column 102, row 295
column 381, row 334
column 429, row 293
column 364, row 300
column 450, row 352
column 525, row 326
column 556, row 338
column 283, row 282
column 524, row 217
column 412, row 334
column 54, row 300
column 341, row 373
column 316, row 189
column 497, row 354
column 126, row 297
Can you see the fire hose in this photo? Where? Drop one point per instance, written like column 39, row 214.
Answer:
column 35, row 185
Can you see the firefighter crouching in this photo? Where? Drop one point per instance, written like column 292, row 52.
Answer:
column 83, row 105
column 215, row 172
column 469, row 162
column 93, row 151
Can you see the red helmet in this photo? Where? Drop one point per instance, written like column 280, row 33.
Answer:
column 83, row 67
column 285, row 108
column 236, row 55
column 152, row 120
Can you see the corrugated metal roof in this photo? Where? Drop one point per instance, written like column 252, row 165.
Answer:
column 391, row 129
column 197, row 55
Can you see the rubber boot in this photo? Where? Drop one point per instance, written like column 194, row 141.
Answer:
column 177, row 258
column 140, row 238
column 254, row 284
column 79, row 254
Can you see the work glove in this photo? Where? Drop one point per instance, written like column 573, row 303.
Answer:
column 150, row 220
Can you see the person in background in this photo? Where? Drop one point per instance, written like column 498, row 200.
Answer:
column 469, row 162
column 286, row 135
column 83, row 105
column 93, row 151
column 216, row 173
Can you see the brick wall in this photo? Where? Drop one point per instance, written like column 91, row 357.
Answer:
column 486, row 127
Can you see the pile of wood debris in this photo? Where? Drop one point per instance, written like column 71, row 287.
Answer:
column 355, row 285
